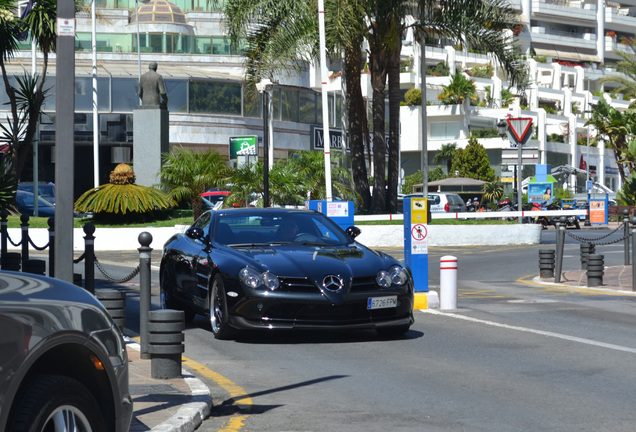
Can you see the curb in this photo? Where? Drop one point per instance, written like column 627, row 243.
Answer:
column 425, row 300
column 191, row 414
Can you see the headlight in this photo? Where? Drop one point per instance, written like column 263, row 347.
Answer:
column 398, row 275
column 255, row 280
column 395, row 276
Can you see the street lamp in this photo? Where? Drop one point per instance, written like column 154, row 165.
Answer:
column 265, row 87
column 501, row 127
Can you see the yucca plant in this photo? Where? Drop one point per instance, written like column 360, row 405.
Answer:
column 122, row 198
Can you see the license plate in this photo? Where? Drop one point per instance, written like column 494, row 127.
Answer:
column 382, row 302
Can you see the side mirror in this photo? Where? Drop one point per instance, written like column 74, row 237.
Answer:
column 195, row 233
column 353, row 232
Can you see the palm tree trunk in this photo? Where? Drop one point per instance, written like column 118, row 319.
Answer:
column 394, row 122
column 378, row 83
column 357, row 125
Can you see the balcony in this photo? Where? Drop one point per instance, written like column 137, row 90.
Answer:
column 576, row 11
column 620, row 19
column 568, row 41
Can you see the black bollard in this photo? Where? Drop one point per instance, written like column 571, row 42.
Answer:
column 626, row 235
column 633, row 221
column 546, row 263
column 559, row 250
column 25, row 239
column 595, row 264
column 145, row 238
column 4, row 234
column 115, row 303
column 165, row 342
column 51, row 223
column 586, row 250
column 89, row 257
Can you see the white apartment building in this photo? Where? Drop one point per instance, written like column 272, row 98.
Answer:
column 208, row 104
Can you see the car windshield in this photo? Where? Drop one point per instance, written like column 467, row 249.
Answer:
column 273, row 227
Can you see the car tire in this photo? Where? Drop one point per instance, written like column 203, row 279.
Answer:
column 167, row 298
column 46, row 399
column 218, row 310
column 394, row 331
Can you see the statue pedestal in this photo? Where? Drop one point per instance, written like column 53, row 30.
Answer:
column 150, row 141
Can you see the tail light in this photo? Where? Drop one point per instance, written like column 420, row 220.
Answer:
column 446, row 207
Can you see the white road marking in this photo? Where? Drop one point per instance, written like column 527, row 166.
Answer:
column 534, row 331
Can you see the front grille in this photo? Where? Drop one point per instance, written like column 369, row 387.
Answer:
column 363, row 284
column 297, row 285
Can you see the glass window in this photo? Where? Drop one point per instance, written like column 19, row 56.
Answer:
column 125, row 97
column 252, row 102
column 307, row 107
column 177, row 91
column 84, row 94
column 445, row 130
column 289, row 105
column 215, row 97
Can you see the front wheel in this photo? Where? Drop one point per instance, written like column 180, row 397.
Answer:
column 56, row 403
column 218, row 310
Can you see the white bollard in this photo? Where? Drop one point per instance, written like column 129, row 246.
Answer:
column 448, row 282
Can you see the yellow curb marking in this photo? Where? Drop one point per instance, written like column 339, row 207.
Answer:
column 237, row 393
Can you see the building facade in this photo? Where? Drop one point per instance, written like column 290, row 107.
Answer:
column 209, row 102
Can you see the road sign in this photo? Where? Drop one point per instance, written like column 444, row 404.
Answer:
column 521, row 129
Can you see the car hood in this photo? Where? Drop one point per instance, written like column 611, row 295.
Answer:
column 317, row 262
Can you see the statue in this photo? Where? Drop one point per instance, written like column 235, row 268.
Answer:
column 151, row 87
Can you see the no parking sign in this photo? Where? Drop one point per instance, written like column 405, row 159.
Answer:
column 419, row 241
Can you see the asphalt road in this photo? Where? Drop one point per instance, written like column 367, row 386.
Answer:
column 514, row 356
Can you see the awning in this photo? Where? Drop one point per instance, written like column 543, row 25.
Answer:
column 566, row 54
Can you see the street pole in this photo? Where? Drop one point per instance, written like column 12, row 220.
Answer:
column 519, row 177
column 64, row 139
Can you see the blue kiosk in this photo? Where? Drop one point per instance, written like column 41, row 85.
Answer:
column 416, row 240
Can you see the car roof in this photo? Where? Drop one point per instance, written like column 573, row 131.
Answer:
column 215, row 192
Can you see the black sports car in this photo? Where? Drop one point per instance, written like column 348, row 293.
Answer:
column 281, row 269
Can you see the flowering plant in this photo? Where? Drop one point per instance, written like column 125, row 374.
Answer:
column 611, row 34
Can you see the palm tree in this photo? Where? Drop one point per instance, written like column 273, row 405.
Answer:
column 283, row 34
column 122, row 197
column 459, row 90
column 492, row 191
column 446, row 154
column 25, row 108
column 627, row 81
column 311, row 168
column 618, row 129
column 186, row 174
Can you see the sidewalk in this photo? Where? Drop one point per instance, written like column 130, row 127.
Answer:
column 164, row 405
column 615, row 278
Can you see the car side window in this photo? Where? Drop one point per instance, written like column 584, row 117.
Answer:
column 204, row 223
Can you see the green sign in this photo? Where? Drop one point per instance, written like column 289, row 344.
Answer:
column 243, row 146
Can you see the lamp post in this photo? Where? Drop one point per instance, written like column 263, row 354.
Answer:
column 265, row 87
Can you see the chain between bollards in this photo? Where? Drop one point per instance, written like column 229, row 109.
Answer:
column 145, row 238
column 559, row 250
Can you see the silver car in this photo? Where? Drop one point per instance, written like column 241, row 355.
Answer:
column 63, row 362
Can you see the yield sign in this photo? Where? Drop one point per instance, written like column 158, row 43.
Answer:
column 520, row 128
